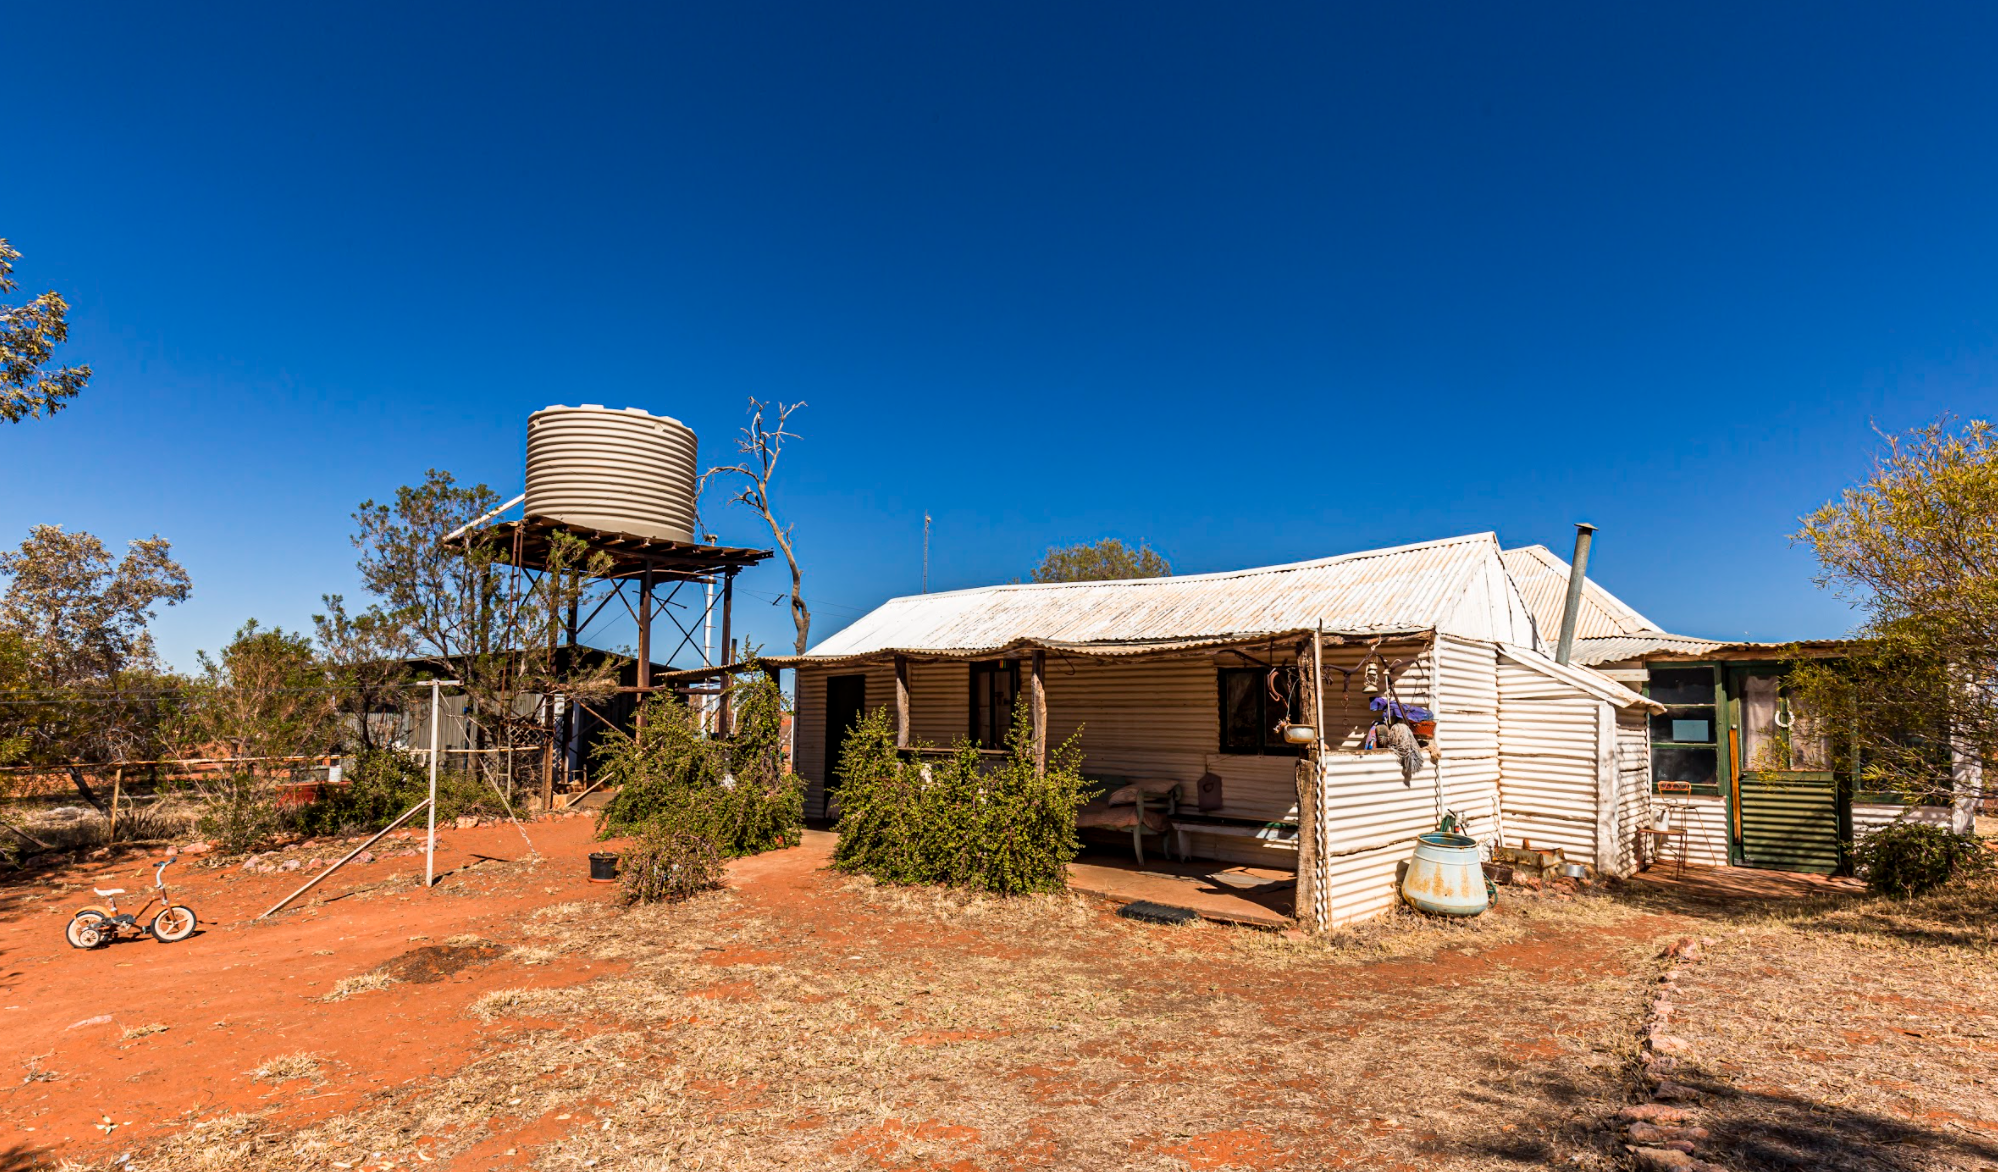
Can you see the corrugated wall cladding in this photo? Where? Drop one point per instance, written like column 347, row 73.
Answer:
column 1705, row 819
column 1633, row 784
column 1548, row 785
column 1871, row 816
column 1151, row 718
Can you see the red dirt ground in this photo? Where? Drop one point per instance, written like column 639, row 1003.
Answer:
column 237, row 994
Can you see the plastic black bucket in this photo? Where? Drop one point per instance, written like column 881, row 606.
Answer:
column 603, row 867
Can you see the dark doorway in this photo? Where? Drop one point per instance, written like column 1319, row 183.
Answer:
column 846, row 703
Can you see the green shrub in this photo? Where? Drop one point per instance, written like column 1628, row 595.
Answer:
column 382, row 783
column 1908, row 858
column 666, row 866
column 734, row 792
column 960, row 820
column 241, row 811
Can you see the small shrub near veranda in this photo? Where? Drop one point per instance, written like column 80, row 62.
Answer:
column 1007, row 828
column 1909, row 858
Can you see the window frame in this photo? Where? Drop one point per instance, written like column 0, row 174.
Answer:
column 1264, row 718
column 1715, row 723
column 986, row 670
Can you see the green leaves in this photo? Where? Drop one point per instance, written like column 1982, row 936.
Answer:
column 1107, row 559
column 1915, row 546
column 29, row 335
column 734, row 793
column 962, row 819
column 1909, row 858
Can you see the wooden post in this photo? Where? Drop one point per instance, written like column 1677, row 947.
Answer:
column 1310, row 790
column 724, row 715
column 569, row 668
column 554, row 582
column 1039, row 689
column 901, row 701
column 117, row 790
column 644, row 646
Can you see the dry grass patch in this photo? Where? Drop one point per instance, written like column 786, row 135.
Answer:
column 346, row 987
column 285, row 1067
column 1849, row 1034
column 860, row 1026
column 145, row 1031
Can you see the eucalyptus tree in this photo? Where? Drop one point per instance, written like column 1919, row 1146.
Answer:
column 29, row 335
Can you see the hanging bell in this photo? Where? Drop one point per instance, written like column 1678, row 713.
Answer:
column 1373, row 683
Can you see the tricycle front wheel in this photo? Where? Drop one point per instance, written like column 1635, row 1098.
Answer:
column 174, row 923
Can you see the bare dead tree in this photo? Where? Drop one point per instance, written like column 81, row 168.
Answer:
column 760, row 445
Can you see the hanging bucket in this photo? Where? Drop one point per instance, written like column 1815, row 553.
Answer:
column 603, row 867
column 1445, row 878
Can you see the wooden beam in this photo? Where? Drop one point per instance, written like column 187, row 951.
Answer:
column 1039, row 690
column 901, row 701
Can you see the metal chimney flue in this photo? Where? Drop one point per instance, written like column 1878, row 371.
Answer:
column 1578, row 573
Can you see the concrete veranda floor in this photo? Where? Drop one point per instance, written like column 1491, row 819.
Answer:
column 1225, row 893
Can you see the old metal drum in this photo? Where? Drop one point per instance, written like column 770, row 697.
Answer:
column 1445, row 878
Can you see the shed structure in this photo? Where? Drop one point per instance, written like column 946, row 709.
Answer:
column 1748, row 790
column 1187, row 679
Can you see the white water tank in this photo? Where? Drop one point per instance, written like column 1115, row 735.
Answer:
column 624, row 471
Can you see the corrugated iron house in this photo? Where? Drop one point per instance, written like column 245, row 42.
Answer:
column 1171, row 679
column 1761, row 793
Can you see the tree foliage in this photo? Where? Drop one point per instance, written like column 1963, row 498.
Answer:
column 453, row 602
column 959, row 820
column 364, row 656
column 29, row 335
column 1106, row 560
column 734, row 791
column 78, row 671
column 1916, row 548
column 760, row 446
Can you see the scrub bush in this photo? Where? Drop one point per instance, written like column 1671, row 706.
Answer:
column 383, row 783
column 666, row 866
column 1908, row 858
column 735, row 792
column 960, row 820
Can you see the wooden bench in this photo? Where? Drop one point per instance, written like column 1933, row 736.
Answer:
column 1270, row 833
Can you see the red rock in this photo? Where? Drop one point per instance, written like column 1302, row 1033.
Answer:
column 1655, row 1113
column 1667, row 1044
column 1660, row 1160
column 1674, row 1092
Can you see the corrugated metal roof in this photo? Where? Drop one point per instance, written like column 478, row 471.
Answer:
column 1594, row 683
column 1385, row 591
column 1542, row 578
column 1607, row 629
column 1617, row 648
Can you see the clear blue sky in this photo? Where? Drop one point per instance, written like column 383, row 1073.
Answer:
column 1254, row 283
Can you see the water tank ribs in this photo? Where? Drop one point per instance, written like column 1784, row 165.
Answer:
column 622, row 471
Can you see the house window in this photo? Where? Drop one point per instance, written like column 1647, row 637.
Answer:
column 995, row 684
column 1685, row 738
column 1249, row 715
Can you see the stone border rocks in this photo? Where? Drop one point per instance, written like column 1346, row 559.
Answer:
column 1662, row 1134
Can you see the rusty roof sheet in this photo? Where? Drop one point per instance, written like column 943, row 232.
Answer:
column 1400, row 590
